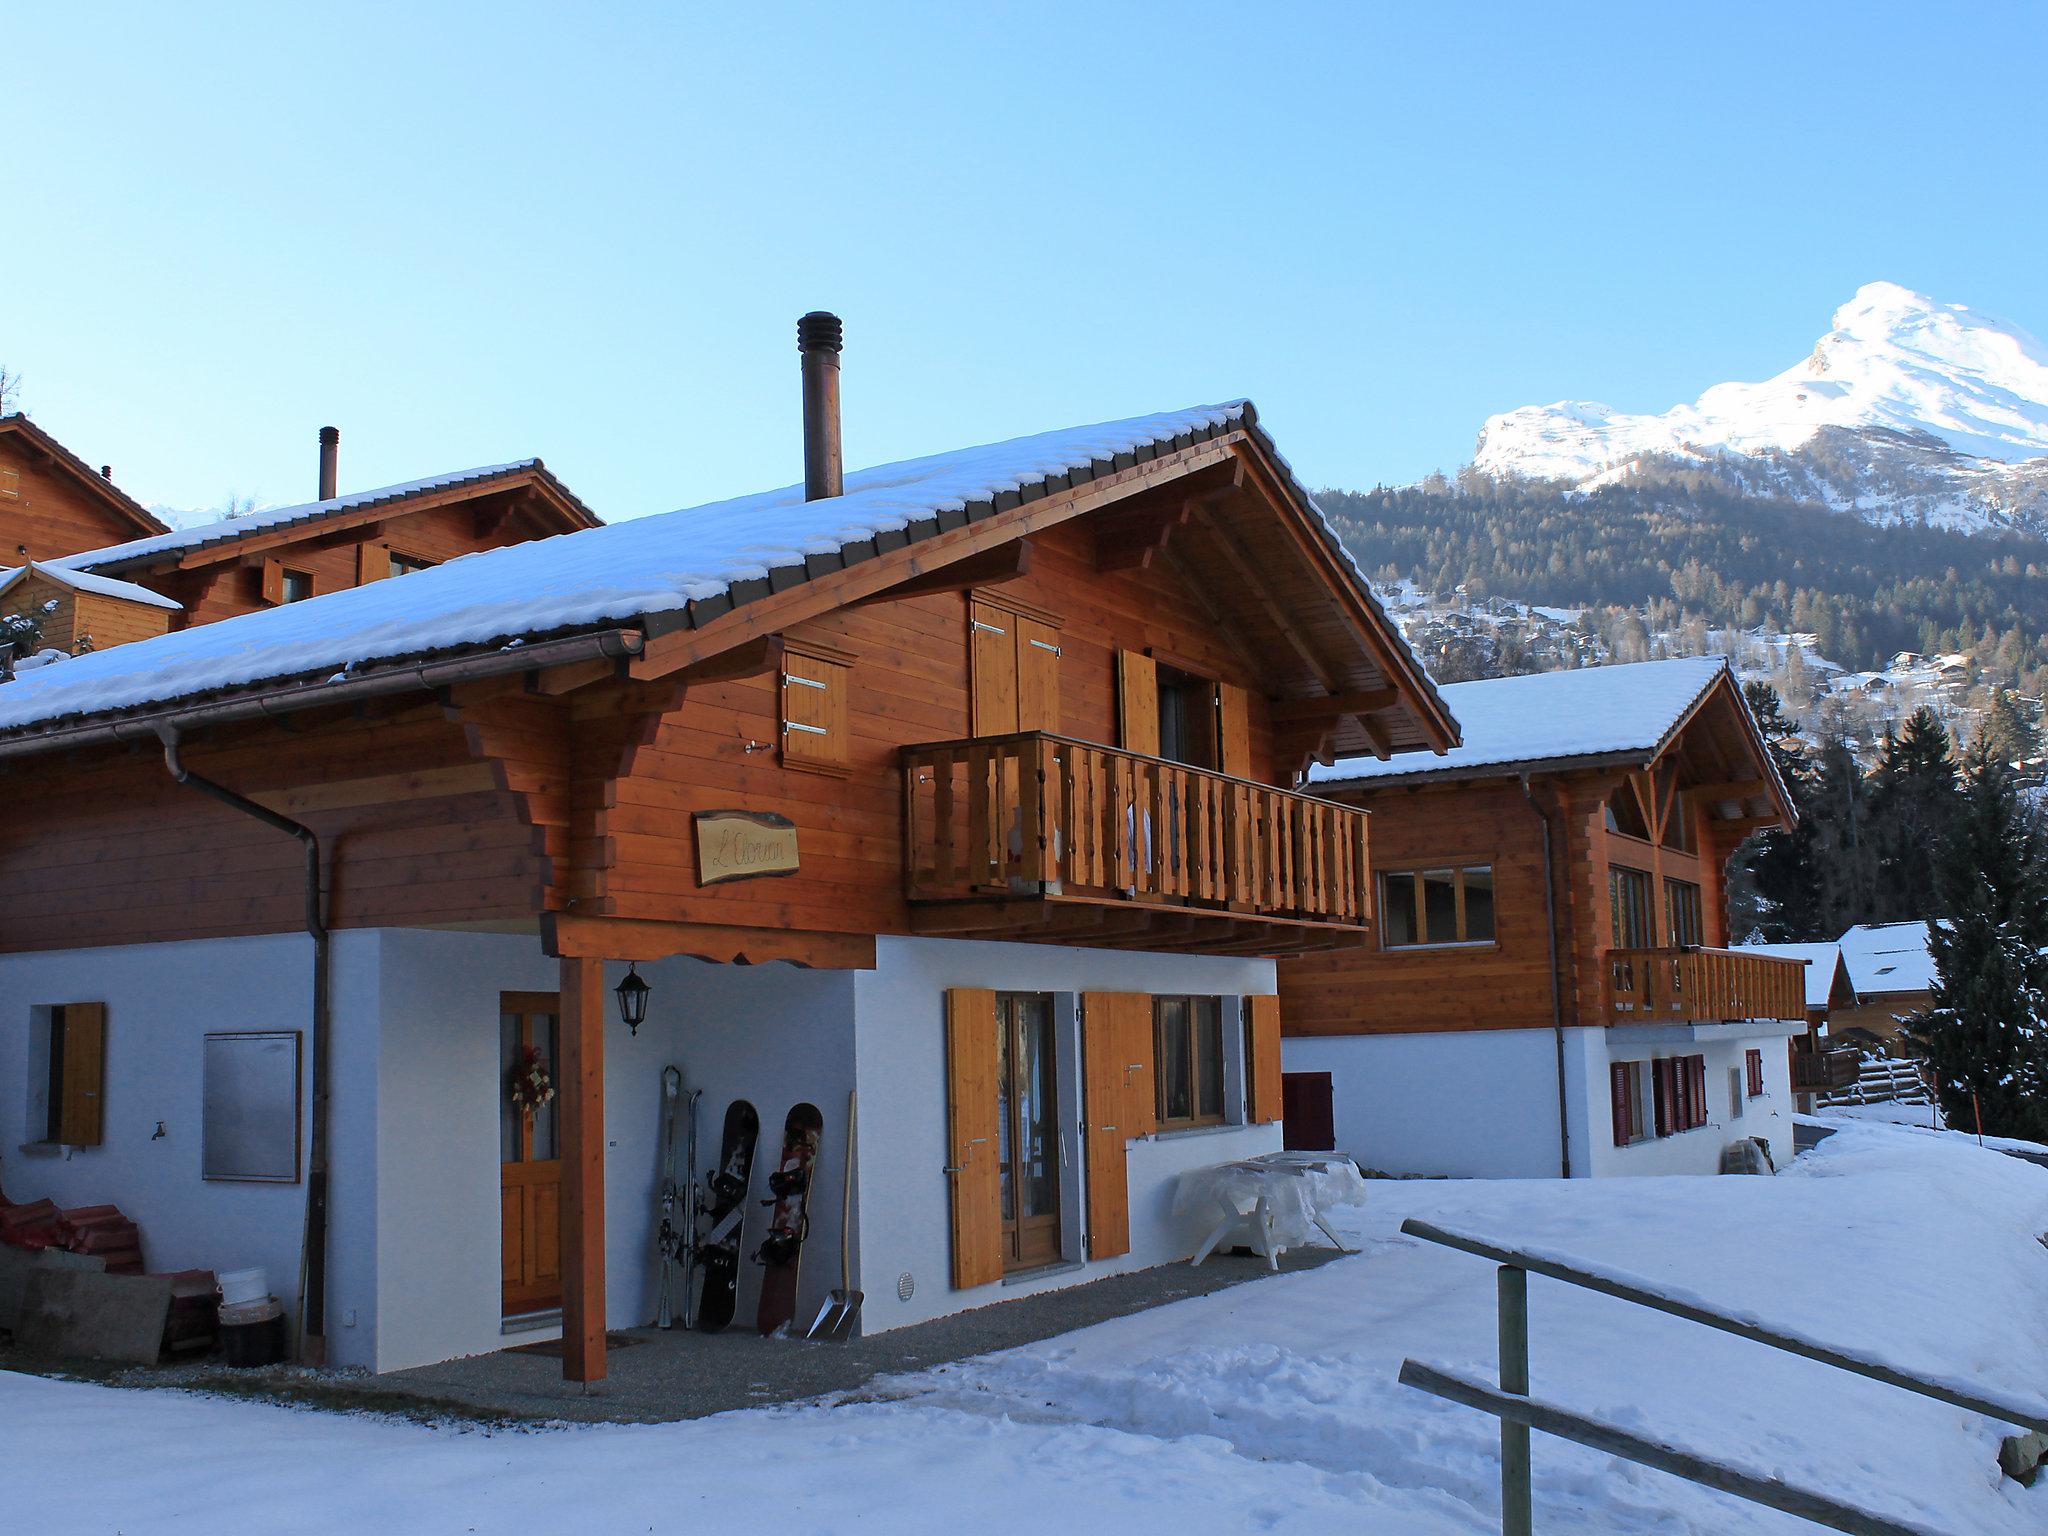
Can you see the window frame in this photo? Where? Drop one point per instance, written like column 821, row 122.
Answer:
column 1201, row 1008
column 1696, row 913
column 1617, row 876
column 1417, row 905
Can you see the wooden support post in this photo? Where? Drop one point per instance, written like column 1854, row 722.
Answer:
column 582, row 1124
column 1516, row 1512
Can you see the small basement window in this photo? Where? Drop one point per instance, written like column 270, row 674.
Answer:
column 67, row 1074
column 1452, row 905
column 815, row 731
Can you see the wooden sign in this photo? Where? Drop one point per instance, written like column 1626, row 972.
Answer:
column 744, row 845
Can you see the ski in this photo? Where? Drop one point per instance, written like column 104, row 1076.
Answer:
column 668, row 1237
column 692, row 1206
column 782, row 1249
column 718, row 1253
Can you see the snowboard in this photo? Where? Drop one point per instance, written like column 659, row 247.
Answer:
column 718, row 1249
column 782, row 1250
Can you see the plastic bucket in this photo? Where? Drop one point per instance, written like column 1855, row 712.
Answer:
column 243, row 1285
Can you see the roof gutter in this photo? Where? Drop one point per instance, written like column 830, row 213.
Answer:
column 418, row 677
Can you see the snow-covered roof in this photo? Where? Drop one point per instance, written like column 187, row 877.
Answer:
column 1822, row 961
column 1549, row 717
column 87, row 581
column 227, row 529
column 587, row 579
column 1888, row 957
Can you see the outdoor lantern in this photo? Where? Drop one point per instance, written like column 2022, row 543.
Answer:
column 633, row 998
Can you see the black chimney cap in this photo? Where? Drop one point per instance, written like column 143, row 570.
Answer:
column 820, row 330
column 330, row 435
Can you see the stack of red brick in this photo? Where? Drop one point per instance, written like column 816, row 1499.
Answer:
column 96, row 1229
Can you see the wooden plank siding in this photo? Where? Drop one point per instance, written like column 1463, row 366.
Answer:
column 46, row 512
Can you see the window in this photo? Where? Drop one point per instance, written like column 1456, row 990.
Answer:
column 1452, row 905
column 1187, row 1054
column 67, row 1074
column 1735, row 1095
column 1027, row 1130
column 1681, row 1094
column 1676, row 1097
column 297, row 587
column 1187, row 718
column 1680, row 833
column 1753, row 1071
column 1625, row 1082
column 815, row 733
column 1682, row 912
column 405, row 565
column 1014, row 671
column 1628, row 901
column 1625, row 814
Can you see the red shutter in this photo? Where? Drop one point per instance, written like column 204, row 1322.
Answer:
column 1754, row 1061
column 1699, row 1090
column 1617, row 1087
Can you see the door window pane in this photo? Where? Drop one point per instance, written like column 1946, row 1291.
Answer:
column 1397, row 909
column 510, row 1042
column 1175, row 1065
column 1036, row 1122
column 1628, row 892
column 1209, row 1057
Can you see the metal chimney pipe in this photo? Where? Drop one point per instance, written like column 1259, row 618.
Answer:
column 819, row 339
column 330, row 452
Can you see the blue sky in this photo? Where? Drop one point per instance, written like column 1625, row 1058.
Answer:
column 467, row 233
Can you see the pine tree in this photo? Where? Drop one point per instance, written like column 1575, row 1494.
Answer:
column 1773, row 881
column 1912, row 808
column 1843, row 846
column 1985, row 1036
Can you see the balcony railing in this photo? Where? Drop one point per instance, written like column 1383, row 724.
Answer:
column 1702, row 986
column 1824, row 1071
column 1039, row 816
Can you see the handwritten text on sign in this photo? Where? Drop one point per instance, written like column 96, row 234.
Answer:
column 744, row 845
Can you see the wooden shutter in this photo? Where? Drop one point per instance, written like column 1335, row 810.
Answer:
column 1263, row 1025
column 1137, row 692
column 814, row 713
column 973, row 1160
column 1038, row 676
column 1696, row 1069
column 1618, row 1090
column 373, row 562
column 1234, row 730
column 272, row 585
column 81, row 1120
column 992, row 653
column 1105, row 1058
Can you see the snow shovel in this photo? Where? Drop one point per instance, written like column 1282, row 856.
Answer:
column 836, row 1319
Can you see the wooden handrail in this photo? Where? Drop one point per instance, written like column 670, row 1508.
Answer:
column 1689, row 984
column 1034, row 815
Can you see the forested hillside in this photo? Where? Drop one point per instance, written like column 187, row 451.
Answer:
column 1863, row 591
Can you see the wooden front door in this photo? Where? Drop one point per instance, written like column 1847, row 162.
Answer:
column 1028, row 1130
column 528, row 1147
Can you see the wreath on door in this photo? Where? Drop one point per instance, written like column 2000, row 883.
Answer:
column 532, row 1086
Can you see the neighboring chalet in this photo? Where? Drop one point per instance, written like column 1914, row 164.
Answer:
column 109, row 591
column 1548, row 990
column 53, row 503
column 1818, row 1065
column 964, row 785
column 1891, row 965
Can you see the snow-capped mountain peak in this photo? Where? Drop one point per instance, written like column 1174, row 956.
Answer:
column 1942, row 389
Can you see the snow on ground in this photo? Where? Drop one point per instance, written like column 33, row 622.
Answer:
column 1268, row 1407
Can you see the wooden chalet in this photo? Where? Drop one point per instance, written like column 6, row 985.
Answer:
column 1550, row 987
column 968, row 785
column 53, row 503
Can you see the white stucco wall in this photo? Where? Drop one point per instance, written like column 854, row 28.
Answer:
column 1483, row 1103
column 161, row 999
column 1462, row 1103
column 905, row 1225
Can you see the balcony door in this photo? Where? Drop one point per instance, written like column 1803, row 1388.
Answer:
column 1628, row 900
column 1027, row 1130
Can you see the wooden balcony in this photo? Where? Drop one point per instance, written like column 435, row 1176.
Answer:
column 1034, row 836
column 1690, row 985
column 1824, row 1071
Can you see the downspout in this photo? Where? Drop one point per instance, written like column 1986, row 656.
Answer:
column 312, row 1309
column 1564, row 1134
